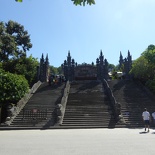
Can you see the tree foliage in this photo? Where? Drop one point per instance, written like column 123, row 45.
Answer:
column 14, row 41
column 83, row 2
column 111, row 67
column 12, row 87
column 140, row 68
column 76, row 2
column 55, row 70
column 23, row 66
column 149, row 54
column 143, row 68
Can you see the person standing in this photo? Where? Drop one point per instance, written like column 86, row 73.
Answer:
column 146, row 118
column 153, row 115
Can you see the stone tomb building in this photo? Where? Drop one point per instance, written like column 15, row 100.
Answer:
column 85, row 72
column 73, row 71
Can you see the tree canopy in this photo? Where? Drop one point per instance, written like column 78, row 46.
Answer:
column 140, row 68
column 26, row 66
column 143, row 68
column 83, row 2
column 12, row 87
column 76, row 2
column 14, row 41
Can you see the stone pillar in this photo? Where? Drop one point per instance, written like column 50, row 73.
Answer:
column 72, row 70
column 106, row 76
column 98, row 69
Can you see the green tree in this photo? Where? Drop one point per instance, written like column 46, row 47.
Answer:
column 14, row 41
column 53, row 70
column 149, row 55
column 76, row 2
column 23, row 66
column 111, row 67
column 59, row 69
column 144, row 66
column 12, row 87
column 83, row 2
column 140, row 68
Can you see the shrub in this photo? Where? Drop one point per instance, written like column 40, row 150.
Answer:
column 12, row 87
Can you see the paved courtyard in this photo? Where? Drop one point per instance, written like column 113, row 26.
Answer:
column 77, row 142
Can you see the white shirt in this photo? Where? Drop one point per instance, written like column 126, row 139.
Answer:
column 153, row 115
column 146, row 115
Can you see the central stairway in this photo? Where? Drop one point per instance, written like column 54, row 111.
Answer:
column 87, row 106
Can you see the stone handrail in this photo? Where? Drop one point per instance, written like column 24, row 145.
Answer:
column 116, row 107
column 62, row 106
column 16, row 109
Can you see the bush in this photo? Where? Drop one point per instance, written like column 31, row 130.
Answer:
column 12, row 87
column 23, row 66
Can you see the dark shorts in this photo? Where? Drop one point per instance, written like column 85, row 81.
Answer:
column 146, row 122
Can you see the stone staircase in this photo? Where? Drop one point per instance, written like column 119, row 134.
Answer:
column 87, row 107
column 133, row 100
column 38, row 112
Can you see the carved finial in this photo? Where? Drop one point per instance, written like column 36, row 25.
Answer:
column 69, row 53
column 101, row 53
column 47, row 57
column 42, row 57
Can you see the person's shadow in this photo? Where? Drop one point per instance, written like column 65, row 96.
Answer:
column 143, row 132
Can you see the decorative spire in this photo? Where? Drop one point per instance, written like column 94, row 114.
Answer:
column 121, row 55
column 101, row 58
column 42, row 58
column 128, row 53
column 47, row 57
column 97, row 61
column 121, row 58
column 69, row 53
column 101, row 53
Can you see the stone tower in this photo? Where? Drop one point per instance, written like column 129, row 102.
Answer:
column 102, row 67
column 68, row 67
column 43, row 69
column 126, row 64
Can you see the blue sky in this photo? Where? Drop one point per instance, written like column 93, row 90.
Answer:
column 58, row 26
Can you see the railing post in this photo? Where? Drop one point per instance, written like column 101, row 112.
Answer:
column 60, row 109
column 114, row 104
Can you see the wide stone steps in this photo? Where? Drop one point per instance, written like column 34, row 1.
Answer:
column 133, row 100
column 38, row 112
column 87, row 107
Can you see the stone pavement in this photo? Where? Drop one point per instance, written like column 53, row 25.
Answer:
column 77, row 142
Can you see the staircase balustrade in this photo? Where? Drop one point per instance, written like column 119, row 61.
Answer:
column 61, row 107
column 22, row 102
column 116, row 107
